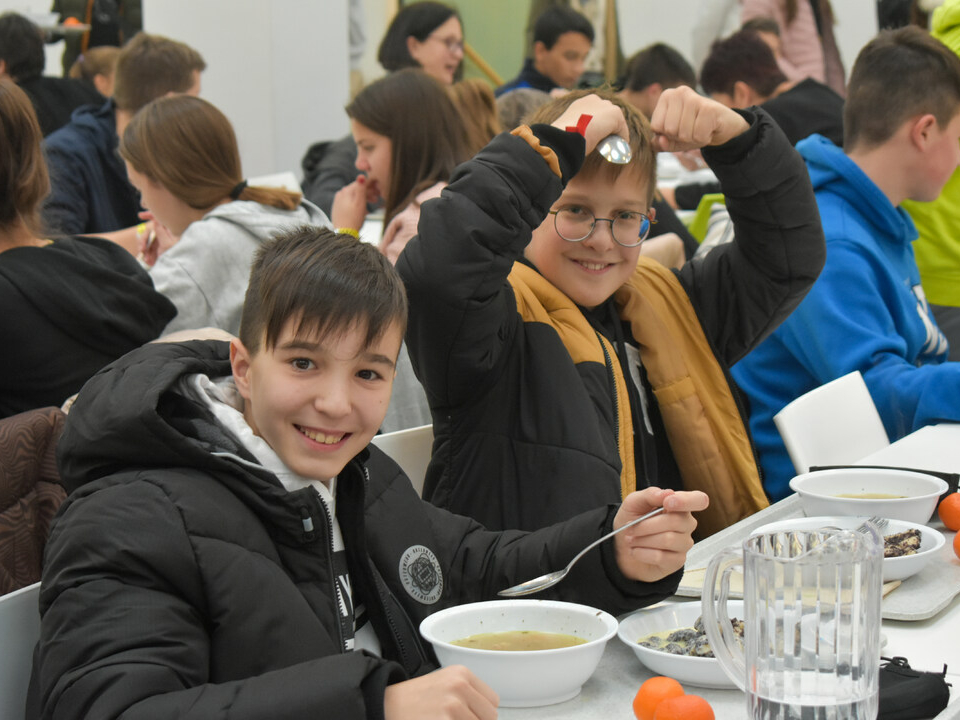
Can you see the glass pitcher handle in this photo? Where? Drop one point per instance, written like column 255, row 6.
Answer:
column 716, row 618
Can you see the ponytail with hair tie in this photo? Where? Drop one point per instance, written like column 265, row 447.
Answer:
column 238, row 190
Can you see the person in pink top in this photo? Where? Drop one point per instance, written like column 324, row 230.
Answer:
column 808, row 45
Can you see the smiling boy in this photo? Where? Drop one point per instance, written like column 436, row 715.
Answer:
column 231, row 547
column 563, row 369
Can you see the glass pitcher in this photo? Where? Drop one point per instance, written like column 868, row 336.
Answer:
column 811, row 633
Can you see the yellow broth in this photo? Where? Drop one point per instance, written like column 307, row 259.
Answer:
column 519, row 640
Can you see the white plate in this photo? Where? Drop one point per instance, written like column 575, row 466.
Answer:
column 699, row 671
column 895, row 568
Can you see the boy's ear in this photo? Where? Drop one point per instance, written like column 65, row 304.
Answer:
column 743, row 95
column 240, row 365
column 539, row 48
column 922, row 129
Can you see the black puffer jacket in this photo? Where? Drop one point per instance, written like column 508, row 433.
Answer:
column 180, row 581
column 525, row 432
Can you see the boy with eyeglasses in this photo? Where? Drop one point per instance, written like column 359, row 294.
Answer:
column 563, row 369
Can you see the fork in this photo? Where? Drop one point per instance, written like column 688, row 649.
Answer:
column 880, row 522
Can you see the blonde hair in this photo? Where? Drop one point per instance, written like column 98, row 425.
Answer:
column 189, row 147
column 477, row 106
column 100, row 60
column 644, row 161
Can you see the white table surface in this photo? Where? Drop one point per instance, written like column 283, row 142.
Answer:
column 927, row 644
column 935, row 447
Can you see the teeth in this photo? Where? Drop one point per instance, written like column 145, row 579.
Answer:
column 593, row 266
column 321, row 437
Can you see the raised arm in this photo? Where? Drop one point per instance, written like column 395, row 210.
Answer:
column 744, row 289
column 462, row 310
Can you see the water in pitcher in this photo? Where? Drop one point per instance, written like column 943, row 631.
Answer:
column 813, row 708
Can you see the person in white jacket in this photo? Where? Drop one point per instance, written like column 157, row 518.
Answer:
column 182, row 156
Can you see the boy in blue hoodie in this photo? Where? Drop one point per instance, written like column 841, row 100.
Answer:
column 867, row 310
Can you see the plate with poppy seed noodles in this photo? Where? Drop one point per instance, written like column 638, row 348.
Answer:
column 669, row 640
column 908, row 547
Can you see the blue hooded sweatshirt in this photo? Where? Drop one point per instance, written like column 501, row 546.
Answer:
column 865, row 312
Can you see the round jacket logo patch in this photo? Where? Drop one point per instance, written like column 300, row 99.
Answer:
column 420, row 574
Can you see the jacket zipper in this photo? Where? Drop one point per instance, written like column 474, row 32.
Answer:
column 387, row 612
column 608, row 363
column 308, row 526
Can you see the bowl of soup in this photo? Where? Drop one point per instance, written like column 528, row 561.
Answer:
column 895, row 494
column 531, row 652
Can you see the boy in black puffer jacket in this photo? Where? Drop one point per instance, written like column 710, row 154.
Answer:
column 231, row 546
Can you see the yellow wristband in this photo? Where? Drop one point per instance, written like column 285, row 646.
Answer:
column 349, row 231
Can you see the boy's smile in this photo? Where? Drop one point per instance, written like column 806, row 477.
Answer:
column 589, row 271
column 317, row 401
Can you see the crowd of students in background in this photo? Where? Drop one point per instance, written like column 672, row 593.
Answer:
column 547, row 311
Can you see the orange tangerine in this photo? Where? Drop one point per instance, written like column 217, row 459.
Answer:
column 651, row 693
column 949, row 511
column 684, row 707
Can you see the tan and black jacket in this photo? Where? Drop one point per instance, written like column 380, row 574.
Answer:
column 526, row 394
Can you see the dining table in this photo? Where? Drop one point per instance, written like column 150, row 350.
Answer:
column 928, row 642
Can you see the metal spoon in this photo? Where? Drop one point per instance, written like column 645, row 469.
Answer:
column 615, row 149
column 550, row 579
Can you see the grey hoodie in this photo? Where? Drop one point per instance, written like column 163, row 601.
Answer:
column 206, row 273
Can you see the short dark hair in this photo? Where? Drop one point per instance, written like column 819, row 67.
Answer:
column 21, row 47
column 899, row 74
column 742, row 57
column 557, row 20
column 328, row 283
column 417, row 20
column 644, row 160
column 150, row 66
column 425, row 147
column 658, row 63
column 23, row 173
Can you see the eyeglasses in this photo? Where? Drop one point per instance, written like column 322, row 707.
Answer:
column 576, row 224
column 453, row 45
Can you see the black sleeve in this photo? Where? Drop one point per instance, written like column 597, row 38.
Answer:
column 328, row 167
column 744, row 289
column 462, row 310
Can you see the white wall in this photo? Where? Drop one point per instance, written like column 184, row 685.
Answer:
column 279, row 69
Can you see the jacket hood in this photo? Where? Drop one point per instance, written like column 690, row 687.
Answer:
column 127, row 417
column 263, row 221
column 945, row 25
column 90, row 290
column 832, row 172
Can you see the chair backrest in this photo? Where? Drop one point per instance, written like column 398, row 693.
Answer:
column 30, row 493
column 834, row 424
column 410, row 449
column 19, row 632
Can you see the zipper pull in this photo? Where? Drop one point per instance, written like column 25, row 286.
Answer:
column 307, row 522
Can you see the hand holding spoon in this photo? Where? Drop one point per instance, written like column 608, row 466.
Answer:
column 550, row 579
